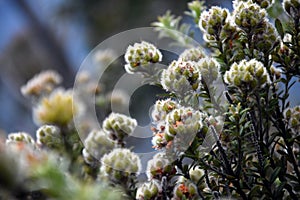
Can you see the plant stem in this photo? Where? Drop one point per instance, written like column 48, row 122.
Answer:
column 228, row 166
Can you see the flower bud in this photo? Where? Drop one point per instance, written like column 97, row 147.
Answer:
column 120, row 163
column 20, row 137
column 160, row 165
column 49, row 136
column 56, row 109
column 248, row 15
column 247, row 75
column 41, row 84
column 287, row 38
column 292, row 116
column 212, row 21
column 140, row 55
column 181, row 78
column 182, row 125
column 185, row 189
column 192, row 54
column 275, row 72
column 162, row 108
column 119, row 126
column 265, row 39
column 209, row 69
column 196, row 173
column 148, row 190
column 96, row 145
column 262, row 3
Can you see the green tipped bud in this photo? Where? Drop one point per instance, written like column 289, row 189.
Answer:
column 181, row 78
column 247, row 75
column 292, row 116
column 119, row 164
column 49, row 136
column 248, row 15
column 20, row 137
column 212, row 21
column 119, row 126
column 148, row 190
column 140, row 55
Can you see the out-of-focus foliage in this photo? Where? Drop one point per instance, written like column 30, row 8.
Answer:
column 246, row 147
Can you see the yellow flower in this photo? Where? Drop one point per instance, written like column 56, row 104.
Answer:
column 57, row 108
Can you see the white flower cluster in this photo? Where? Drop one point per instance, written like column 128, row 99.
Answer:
column 178, row 129
column 120, row 163
column 140, row 55
column 184, row 78
column 209, row 69
column 247, row 75
column 251, row 17
column 183, row 121
column 185, row 189
column 248, row 15
column 42, row 83
column 162, row 108
column 118, row 126
column 116, row 164
column 192, row 54
column 265, row 38
column 292, row 116
column 196, row 173
column 96, row 145
column 159, row 166
column 181, row 78
column 212, row 21
column 19, row 159
column 49, row 136
column 248, row 23
column 262, row 3
column 182, row 126
column 20, row 137
column 148, row 190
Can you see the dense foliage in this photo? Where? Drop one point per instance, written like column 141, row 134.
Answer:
column 239, row 141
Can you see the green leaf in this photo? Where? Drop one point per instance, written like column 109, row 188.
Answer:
column 275, row 174
column 231, row 118
column 169, row 26
column 255, row 192
column 195, row 9
column 279, row 27
column 278, row 193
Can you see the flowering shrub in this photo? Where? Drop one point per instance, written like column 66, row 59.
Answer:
column 247, row 76
column 246, row 147
column 140, row 55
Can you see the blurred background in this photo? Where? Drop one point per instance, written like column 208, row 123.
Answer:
column 59, row 34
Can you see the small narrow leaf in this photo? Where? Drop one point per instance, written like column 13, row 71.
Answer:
column 279, row 27
column 275, row 174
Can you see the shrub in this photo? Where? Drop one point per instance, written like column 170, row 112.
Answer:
column 245, row 148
